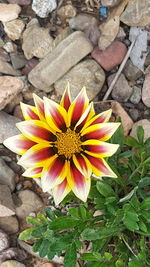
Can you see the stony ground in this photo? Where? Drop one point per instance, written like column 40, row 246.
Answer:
column 89, row 42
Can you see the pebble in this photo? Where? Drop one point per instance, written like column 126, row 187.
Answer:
column 146, row 90
column 93, row 79
column 134, row 113
column 67, row 11
column 4, row 55
column 18, row 60
column 6, row 68
column 146, row 126
column 136, row 95
column 15, row 101
column 131, row 72
column 20, row 2
column 116, row 52
column 110, row 3
column 121, row 91
column 10, row 87
column 10, row 47
column 12, row 263
column 9, row 12
column 4, row 241
column 7, row 126
column 36, row 40
column 9, row 224
column 12, row 253
column 43, row 7
column 18, row 113
column 14, row 28
column 46, row 72
column 30, row 202
column 30, row 64
column 137, row 13
column 6, row 203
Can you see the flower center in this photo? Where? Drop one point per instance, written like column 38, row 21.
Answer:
column 68, row 143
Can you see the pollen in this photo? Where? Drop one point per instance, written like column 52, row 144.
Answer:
column 68, row 143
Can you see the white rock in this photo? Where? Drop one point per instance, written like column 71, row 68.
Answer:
column 9, row 12
column 43, row 7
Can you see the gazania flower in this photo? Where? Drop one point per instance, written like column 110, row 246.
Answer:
column 64, row 144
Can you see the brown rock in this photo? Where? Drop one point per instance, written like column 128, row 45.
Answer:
column 10, row 87
column 146, row 126
column 12, row 263
column 67, row 11
column 110, row 3
column 112, row 56
column 4, row 55
column 6, row 68
column 146, row 90
column 131, row 72
column 31, row 63
column 12, row 253
column 9, row 224
column 14, row 28
column 20, row 2
column 6, row 202
column 9, row 12
column 18, row 112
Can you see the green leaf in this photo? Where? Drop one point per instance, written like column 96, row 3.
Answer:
column 118, row 137
column 140, row 134
column 37, row 245
column 42, row 218
column 110, row 200
column 131, row 141
column 108, row 256
column 74, row 212
column 119, row 263
column 78, row 244
column 144, row 182
column 126, row 154
column 63, row 223
column 147, row 142
column 146, row 203
column 89, row 234
column 39, row 231
column 32, row 220
column 128, row 196
column 43, row 249
column 50, row 214
column 91, row 256
column 130, row 221
column 70, row 256
column 146, row 215
column 142, row 226
column 134, row 263
column 26, row 234
column 105, row 189
column 82, row 211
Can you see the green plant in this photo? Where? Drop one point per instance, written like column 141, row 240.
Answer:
column 113, row 227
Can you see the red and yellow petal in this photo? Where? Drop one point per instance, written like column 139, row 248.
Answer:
column 19, row 144
column 79, row 184
column 77, row 108
column 98, row 148
column 29, row 112
column 82, row 164
column 37, row 131
column 54, row 172
column 56, row 115
column 101, row 131
column 39, row 103
column 60, row 191
column 37, row 155
column 86, row 116
column 100, row 118
column 66, row 98
column 33, row 172
column 100, row 167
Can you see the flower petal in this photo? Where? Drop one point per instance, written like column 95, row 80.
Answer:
column 39, row 103
column 54, row 172
column 82, row 164
column 86, row 116
column 78, row 107
column 19, row 144
column 33, row 172
column 29, row 112
column 101, row 131
column 100, row 167
column 37, row 155
column 37, row 131
column 98, row 148
column 100, row 118
column 60, row 191
column 66, row 98
column 79, row 184
column 56, row 115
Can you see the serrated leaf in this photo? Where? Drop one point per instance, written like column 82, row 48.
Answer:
column 128, row 196
column 70, row 256
column 140, row 134
column 26, row 234
column 105, row 189
column 63, row 223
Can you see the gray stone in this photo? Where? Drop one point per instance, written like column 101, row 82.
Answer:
column 146, row 90
column 9, row 12
column 9, row 224
column 14, row 28
column 136, row 95
column 4, row 240
column 121, row 91
column 6, row 68
column 134, row 113
column 12, row 263
column 86, row 73
column 131, row 72
column 6, row 176
column 6, row 202
column 110, row 3
column 146, row 126
column 30, row 202
column 18, row 60
column 67, row 54
column 12, row 253
column 43, row 7
column 7, row 126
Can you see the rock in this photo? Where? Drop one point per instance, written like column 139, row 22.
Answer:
column 7, row 126
column 9, row 12
column 121, row 91
column 36, row 40
column 18, row 112
column 146, row 90
column 30, row 64
column 9, row 224
column 12, row 263
column 46, row 72
column 67, row 11
column 20, row 2
column 86, row 73
column 10, row 87
column 121, row 34
column 30, row 202
column 6, row 203
column 146, row 126
column 109, row 30
column 4, row 55
column 12, row 253
column 134, row 113
column 43, row 7
column 15, row 101
column 48, row 264
column 4, row 241
column 18, row 60
column 136, row 95
column 14, row 28
column 10, row 47
column 6, row 68
column 111, row 56
column 110, row 3
column 137, row 13
column 131, row 72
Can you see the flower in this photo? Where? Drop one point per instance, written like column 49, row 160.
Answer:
column 64, row 144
